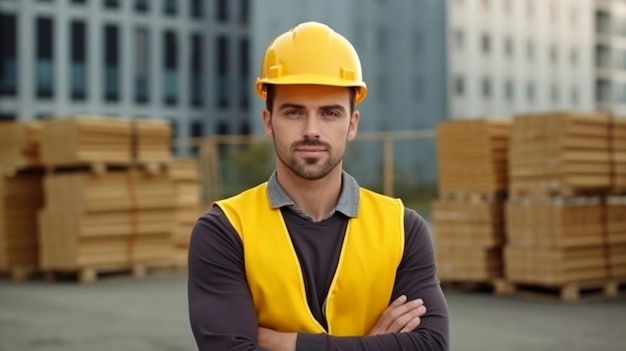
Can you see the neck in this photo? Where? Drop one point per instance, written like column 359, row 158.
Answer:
column 315, row 197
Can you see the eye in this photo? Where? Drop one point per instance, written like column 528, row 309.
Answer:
column 330, row 113
column 293, row 113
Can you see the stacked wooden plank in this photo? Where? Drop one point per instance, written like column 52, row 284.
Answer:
column 472, row 155
column 153, row 140
column 560, row 168
column 104, row 209
column 618, row 146
column 20, row 197
column 556, row 242
column 19, row 143
column 562, row 154
column 616, row 232
column 86, row 139
column 468, row 216
column 185, row 174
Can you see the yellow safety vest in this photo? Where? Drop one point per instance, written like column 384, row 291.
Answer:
column 361, row 288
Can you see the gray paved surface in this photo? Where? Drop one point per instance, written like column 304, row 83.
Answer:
column 150, row 314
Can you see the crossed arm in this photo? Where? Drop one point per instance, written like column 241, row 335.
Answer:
column 222, row 315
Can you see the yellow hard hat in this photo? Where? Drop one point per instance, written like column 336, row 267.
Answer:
column 311, row 53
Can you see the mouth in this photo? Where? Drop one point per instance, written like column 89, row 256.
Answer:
column 308, row 151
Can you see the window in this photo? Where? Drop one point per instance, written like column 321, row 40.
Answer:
column 459, row 86
column 603, row 90
column 554, row 54
column 222, row 87
column 244, row 13
column 509, row 90
column 486, row 44
column 603, row 22
column 555, row 94
column 169, row 7
column 508, row 47
column 244, row 70
column 142, row 65
column 170, row 64
column 603, row 58
column 486, row 87
column 458, row 39
column 530, row 49
column 111, row 63
column 44, row 52
column 8, row 55
column 142, row 5
column 530, row 92
column 196, row 73
column 197, row 9
column 78, row 64
column 222, row 10
column 7, row 116
column 111, row 4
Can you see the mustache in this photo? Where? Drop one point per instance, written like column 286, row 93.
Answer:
column 313, row 143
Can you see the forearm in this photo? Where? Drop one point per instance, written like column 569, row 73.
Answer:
column 420, row 339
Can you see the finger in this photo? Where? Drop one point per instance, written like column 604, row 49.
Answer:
column 399, row 301
column 402, row 321
column 411, row 325
column 395, row 312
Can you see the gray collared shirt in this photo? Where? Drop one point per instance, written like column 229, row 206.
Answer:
column 348, row 200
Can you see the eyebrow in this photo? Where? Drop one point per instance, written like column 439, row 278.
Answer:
column 302, row 107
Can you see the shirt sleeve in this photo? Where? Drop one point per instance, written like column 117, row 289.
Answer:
column 221, row 312
column 416, row 278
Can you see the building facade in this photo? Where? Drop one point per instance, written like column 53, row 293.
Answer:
column 182, row 60
column 610, row 56
column 508, row 57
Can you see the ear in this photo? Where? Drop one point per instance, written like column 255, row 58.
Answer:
column 267, row 122
column 354, row 124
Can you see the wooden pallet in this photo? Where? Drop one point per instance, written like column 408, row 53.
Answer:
column 104, row 168
column 478, row 286
column 474, row 197
column 19, row 273
column 92, row 274
column 571, row 292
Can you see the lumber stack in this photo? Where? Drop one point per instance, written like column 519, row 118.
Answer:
column 86, row 139
column 555, row 242
column 118, row 220
column 19, row 143
column 618, row 146
column 560, row 170
column 560, row 154
column 468, row 215
column 153, row 140
column 186, row 177
column 104, row 208
column 616, row 232
column 21, row 197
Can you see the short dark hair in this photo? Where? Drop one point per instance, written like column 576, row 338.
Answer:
column 270, row 92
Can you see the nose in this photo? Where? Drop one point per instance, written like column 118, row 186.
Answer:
column 311, row 127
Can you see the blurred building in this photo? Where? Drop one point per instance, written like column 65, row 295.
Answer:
column 510, row 56
column 610, row 56
column 182, row 60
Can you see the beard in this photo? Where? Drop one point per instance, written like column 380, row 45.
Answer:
column 310, row 168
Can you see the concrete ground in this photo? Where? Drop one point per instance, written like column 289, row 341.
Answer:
column 151, row 314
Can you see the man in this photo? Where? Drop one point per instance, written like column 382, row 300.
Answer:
column 309, row 260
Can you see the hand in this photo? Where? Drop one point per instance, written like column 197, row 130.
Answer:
column 276, row 341
column 400, row 317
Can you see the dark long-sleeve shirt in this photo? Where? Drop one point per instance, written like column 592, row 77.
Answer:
column 221, row 311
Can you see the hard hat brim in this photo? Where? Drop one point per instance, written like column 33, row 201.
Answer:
column 314, row 80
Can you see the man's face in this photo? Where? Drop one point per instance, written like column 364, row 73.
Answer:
column 310, row 126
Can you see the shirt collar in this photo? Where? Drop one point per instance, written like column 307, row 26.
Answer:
column 347, row 204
